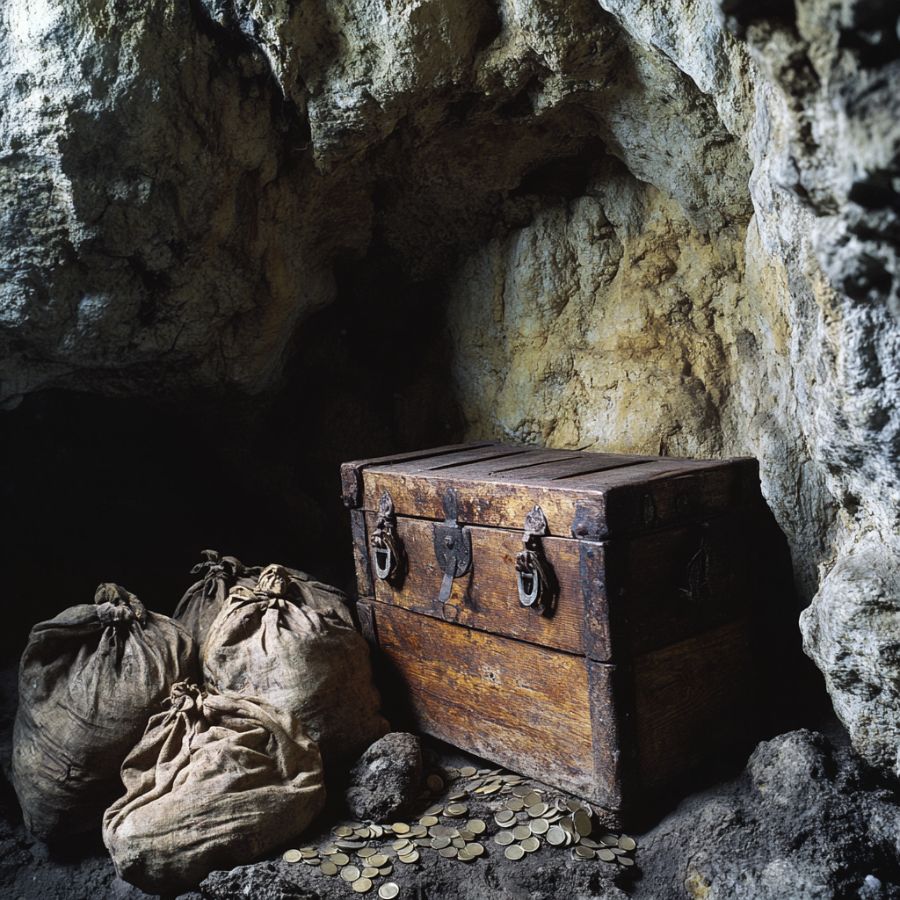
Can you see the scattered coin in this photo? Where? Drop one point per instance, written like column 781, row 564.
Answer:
column 464, row 855
column 400, row 827
column 460, row 842
column 531, row 798
column 428, row 821
column 537, row 810
column 505, row 817
column 606, row 855
column 328, row 868
column 610, row 840
column 291, row 856
column 590, row 842
column 448, row 852
column 514, row 851
column 584, row 852
column 386, row 870
column 350, row 873
column 582, row 822
column 439, row 843
column 366, row 852
column 434, row 810
column 389, row 890
column 475, row 848
column 625, row 861
column 515, row 804
column 409, row 857
column 556, row 836
column 340, row 859
column 520, row 832
column 369, row 872
column 467, row 771
column 540, row 826
column 308, row 853
column 343, row 831
column 504, row 838
column 434, row 783
column 529, row 845
column 378, row 860
column 362, row 885
column 627, row 843
column 456, row 810
column 476, row 826
column 400, row 844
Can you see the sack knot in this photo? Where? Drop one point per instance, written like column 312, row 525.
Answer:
column 115, row 605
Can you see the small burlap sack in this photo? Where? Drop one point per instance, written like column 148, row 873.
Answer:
column 291, row 641
column 202, row 601
column 216, row 782
column 89, row 680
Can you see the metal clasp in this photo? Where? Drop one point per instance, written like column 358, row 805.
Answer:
column 535, row 580
column 452, row 546
column 388, row 557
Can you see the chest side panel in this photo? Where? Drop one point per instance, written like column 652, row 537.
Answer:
column 486, row 597
column 520, row 705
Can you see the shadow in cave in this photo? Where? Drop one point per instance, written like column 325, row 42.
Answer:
column 131, row 490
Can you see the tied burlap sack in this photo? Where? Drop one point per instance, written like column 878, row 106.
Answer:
column 202, row 601
column 292, row 642
column 89, row 681
column 216, row 782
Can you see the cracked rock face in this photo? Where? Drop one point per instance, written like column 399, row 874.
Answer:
column 668, row 228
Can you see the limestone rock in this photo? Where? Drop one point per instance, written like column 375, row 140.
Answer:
column 386, row 778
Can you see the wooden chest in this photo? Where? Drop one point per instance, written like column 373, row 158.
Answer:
column 586, row 619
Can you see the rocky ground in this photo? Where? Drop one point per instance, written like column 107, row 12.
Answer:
column 805, row 819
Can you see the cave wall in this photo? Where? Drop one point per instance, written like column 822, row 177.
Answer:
column 669, row 228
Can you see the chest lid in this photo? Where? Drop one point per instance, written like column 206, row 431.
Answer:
column 582, row 495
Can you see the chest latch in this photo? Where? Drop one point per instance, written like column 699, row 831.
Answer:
column 535, row 578
column 452, row 546
column 388, row 558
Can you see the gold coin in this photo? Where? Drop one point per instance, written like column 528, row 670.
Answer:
column 343, row 831
column 459, row 842
column 378, row 860
column 401, row 844
column 441, row 831
column 520, row 832
column 516, row 804
column 389, row 890
column 418, row 831
column 514, row 851
column 328, row 849
column 328, row 868
column 540, row 826
column 531, row 798
column 311, row 861
column 504, row 817
column 428, row 821
column 439, row 843
column 464, row 856
column 433, row 810
column 377, row 830
column 349, row 873
column 590, row 842
column 366, row 852
column 606, row 855
column 627, row 843
column 386, row 870
column 434, row 783
column 625, row 861
column 537, row 810
column 291, row 856
column 364, row 833
column 400, row 827
column 609, row 840
column 369, row 872
column 476, row 826
column 455, row 810
column 466, row 835
column 556, row 836
column 409, row 857
column 529, row 845
column 467, row 771
column 421, row 842
column 308, row 853
column 475, row 848
column 584, row 853
column 582, row 822
column 573, row 805
column 362, row 885
column 503, row 838
column 522, row 790
column 448, row 852
column 340, row 859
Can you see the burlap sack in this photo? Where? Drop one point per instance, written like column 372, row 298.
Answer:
column 202, row 601
column 216, row 782
column 89, row 681
column 292, row 642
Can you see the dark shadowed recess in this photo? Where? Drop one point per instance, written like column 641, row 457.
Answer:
column 131, row 490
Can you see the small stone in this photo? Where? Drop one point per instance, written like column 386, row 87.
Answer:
column 386, row 779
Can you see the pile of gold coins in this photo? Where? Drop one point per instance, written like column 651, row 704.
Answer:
column 526, row 818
